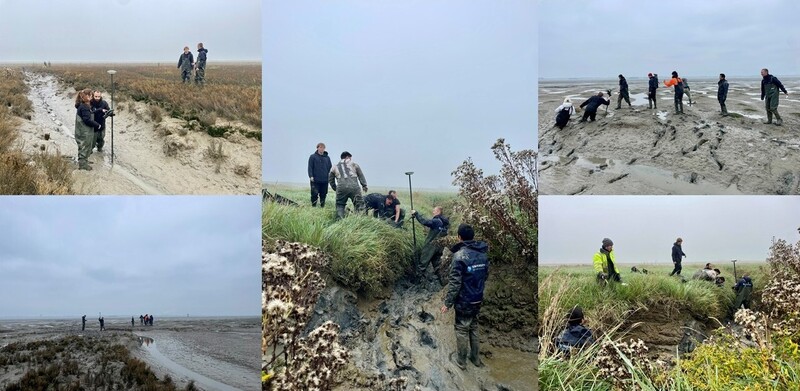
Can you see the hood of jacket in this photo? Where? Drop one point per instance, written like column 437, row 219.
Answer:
column 202, row 50
column 476, row 245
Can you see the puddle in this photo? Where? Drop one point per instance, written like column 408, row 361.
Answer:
column 149, row 345
column 639, row 99
column 507, row 367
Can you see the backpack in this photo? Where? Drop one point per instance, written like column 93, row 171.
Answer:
column 562, row 117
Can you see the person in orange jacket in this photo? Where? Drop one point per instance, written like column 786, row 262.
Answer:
column 676, row 81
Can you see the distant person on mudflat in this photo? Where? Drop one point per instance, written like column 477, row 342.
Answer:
column 769, row 90
column 623, row 92
column 83, row 323
column 347, row 180
column 185, row 64
column 652, row 85
column 722, row 94
column 591, row 105
column 101, row 110
column 678, row 84
column 85, row 125
column 200, row 65
column 133, row 323
column 564, row 112
column 102, row 323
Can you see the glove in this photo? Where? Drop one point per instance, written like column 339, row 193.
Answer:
column 602, row 276
column 365, row 189
column 413, row 213
column 333, row 187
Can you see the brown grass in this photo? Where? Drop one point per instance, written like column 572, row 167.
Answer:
column 21, row 173
column 231, row 91
column 217, row 154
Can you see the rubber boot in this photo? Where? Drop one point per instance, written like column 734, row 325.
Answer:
column 339, row 212
column 474, row 342
column 84, row 166
column 778, row 120
column 769, row 118
column 462, row 350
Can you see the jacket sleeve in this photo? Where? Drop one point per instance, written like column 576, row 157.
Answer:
column 87, row 117
column 584, row 103
column 597, row 262
column 424, row 221
column 669, row 82
column 191, row 58
column 180, row 59
column 763, row 92
column 311, row 166
column 779, row 84
column 724, row 93
column 361, row 176
column 332, row 179
column 453, row 282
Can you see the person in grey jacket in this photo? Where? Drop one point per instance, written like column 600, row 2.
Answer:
column 345, row 178
column 722, row 93
column 185, row 64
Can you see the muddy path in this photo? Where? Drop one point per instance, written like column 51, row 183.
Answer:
column 149, row 157
column 402, row 333
column 643, row 151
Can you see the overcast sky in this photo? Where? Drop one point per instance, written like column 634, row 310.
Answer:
column 403, row 86
column 643, row 228
column 601, row 39
column 128, row 30
column 176, row 255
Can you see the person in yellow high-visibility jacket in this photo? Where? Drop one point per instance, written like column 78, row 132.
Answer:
column 604, row 264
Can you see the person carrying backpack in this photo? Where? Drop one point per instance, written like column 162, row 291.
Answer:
column 563, row 113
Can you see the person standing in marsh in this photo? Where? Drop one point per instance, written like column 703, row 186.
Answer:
column 349, row 176
column 676, row 81
column 652, row 85
column 604, row 264
column 722, row 93
column 83, row 323
column 100, row 109
column 200, row 65
column 769, row 90
column 319, row 166
column 85, row 126
column 623, row 93
column 677, row 256
column 185, row 64
column 686, row 89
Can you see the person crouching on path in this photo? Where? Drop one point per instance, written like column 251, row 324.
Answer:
column 563, row 113
column 591, row 105
column 85, row 126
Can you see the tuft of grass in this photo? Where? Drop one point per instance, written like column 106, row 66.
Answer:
column 155, row 114
column 217, row 154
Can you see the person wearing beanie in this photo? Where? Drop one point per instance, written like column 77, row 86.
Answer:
column 652, row 85
column 591, row 105
column 623, row 93
column 722, row 93
column 575, row 335
column 604, row 264
column 349, row 176
column 677, row 256
column 743, row 289
column 676, row 81
column 563, row 113
column 769, row 89
column 468, row 273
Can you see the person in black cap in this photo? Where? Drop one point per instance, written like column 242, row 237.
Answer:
column 349, row 176
column 652, row 85
column 575, row 335
column 623, row 93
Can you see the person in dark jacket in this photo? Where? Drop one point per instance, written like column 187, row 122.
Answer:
column 133, row 323
column 722, row 93
column 377, row 203
column 769, row 89
column 319, row 165
column 102, row 323
column 677, row 256
column 432, row 249
column 83, row 323
column 623, row 93
column 101, row 110
column 591, row 105
column 468, row 274
column 85, row 126
column 575, row 335
column 185, row 64
column 200, row 65
column 743, row 289
column 652, row 85
column 394, row 212
column 676, row 81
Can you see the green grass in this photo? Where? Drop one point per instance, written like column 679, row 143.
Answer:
column 605, row 306
column 367, row 254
